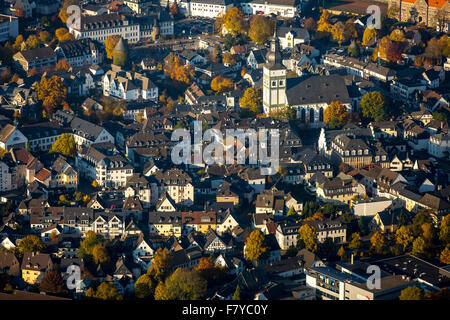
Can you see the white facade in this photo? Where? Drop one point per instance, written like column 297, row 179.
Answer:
column 207, row 9
column 266, row 7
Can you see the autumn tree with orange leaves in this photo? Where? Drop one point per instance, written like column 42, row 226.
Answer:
column 335, row 115
column 52, row 92
column 177, row 71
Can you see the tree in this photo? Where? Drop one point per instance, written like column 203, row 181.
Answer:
column 255, row 246
column 261, row 29
column 237, row 293
column 341, row 253
column 440, row 116
column 291, row 211
column 63, row 34
column 177, row 71
column 94, row 184
column 181, row 285
column 161, row 264
column 32, row 42
column 110, row 44
column 428, row 233
column 419, row 219
column 374, row 105
column 145, row 286
column 65, row 144
column 324, row 22
column 45, row 36
column 419, row 247
column 404, row 237
column 338, row 32
column 31, row 243
column 17, row 46
column 394, row 52
column 52, row 282
column 63, row 64
column 337, row 112
column 353, row 49
column 368, row 35
column 309, row 236
column 445, row 256
column 433, row 50
column 53, row 236
column 397, row 35
column 100, row 254
column 350, row 29
column 250, row 102
column 444, row 232
column 311, row 24
column 284, row 113
column 52, row 92
column 355, row 243
column 228, row 58
column 383, row 48
column 411, row 293
column 222, row 84
column 234, row 21
column 105, row 291
column 209, row 271
column 377, row 241
column 445, row 45
column 87, row 245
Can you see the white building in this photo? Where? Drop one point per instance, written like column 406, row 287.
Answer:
column 209, row 8
column 283, row 8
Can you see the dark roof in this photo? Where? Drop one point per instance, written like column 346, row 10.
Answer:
column 316, row 89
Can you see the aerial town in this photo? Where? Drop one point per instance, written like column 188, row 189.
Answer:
column 339, row 189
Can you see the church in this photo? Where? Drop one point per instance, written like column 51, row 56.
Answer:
column 308, row 95
column 432, row 13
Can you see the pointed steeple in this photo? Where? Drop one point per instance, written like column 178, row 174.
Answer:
column 273, row 57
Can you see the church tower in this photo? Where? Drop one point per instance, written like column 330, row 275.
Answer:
column 274, row 78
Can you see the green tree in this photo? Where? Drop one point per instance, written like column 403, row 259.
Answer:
column 255, row 246
column 182, row 285
column 31, row 243
column 237, row 293
column 87, row 245
column 440, row 116
column 404, row 237
column 374, row 106
column 411, row 293
column 419, row 247
column 309, row 236
column 65, row 144
column 145, row 286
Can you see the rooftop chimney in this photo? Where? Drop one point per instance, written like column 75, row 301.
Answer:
column 351, row 259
